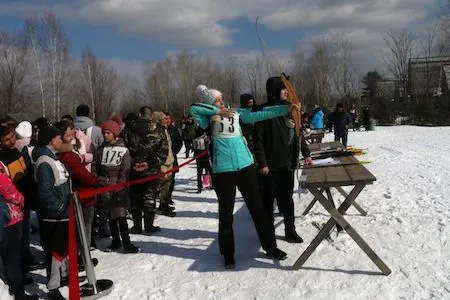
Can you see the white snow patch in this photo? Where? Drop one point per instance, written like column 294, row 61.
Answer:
column 407, row 225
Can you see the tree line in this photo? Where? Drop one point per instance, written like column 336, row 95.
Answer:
column 40, row 77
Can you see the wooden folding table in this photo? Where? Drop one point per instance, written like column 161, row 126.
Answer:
column 319, row 179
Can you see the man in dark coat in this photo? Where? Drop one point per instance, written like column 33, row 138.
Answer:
column 276, row 148
column 177, row 144
column 247, row 101
column 189, row 134
column 341, row 121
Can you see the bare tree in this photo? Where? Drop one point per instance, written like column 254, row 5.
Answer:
column 88, row 69
column 100, row 84
column 255, row 77
column 320, row 71
column 34, row 42
column 345, row 69
column 57, row 50
column 400, row 47
column 13, row 69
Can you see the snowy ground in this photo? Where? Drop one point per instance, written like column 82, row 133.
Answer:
column 407, row 225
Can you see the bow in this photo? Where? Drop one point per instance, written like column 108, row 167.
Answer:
column 293, row 99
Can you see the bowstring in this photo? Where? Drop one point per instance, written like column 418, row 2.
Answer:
column 263, row 45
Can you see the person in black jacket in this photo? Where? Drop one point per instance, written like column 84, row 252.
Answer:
column 247, row 101
column 177, row 144
column 341, row 121
column 276, row 148
column 200, row 144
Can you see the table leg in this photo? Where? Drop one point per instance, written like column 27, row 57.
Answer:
column 356, row 205
column 311, row 204
column 330, row 199
column 337, row 217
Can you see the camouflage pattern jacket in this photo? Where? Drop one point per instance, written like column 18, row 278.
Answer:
column 151, row 147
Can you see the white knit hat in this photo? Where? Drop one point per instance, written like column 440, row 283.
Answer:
column 24, row 129
column 207, row 95
column 214, row 93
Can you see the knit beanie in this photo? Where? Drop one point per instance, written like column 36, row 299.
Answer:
column 274, row 85
column 206, row 95
column 112, row 126
column 24, row 129
column 245, row 98
column 47, row 134
column 158, row 116
column 141, row 127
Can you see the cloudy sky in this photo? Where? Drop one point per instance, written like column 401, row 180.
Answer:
column 130, row 31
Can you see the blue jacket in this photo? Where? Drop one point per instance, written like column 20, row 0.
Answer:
column 53, row 185
column 317, row 120
column 230, row 151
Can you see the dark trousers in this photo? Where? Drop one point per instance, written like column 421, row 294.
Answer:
column 54, row 241
column 246, row 181
column 143, row 201
column 27, row 257
column 164, row 191
column 102, row 212
column 343, row 137
column 202, row 165
column 11, row 257
column 188, row 147
column 172, row 185
column 279, row 184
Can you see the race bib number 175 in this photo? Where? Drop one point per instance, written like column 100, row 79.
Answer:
column 113, row 156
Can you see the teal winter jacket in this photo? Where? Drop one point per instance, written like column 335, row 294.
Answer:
column 230, row 152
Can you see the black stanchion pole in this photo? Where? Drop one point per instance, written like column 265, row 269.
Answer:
column 94, row 289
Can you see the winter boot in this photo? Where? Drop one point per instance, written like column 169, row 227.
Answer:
column 128, row 247
column 276, row 253
column 229, row 262
column 137, row 221
column 166, row 211
column 55, row 295
column 292, row 236
column 104, row 230
column 149, row 218
column 115, row 244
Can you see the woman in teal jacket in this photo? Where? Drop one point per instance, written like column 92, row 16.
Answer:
column 233, row 167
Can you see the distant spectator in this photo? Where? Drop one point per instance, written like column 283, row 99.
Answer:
column 317, row 119
column 177, row 144
column 366, row 118
column 24, row 131
column 188, row 134
column 83, row 122
column 354, row 116
column 305, row 121
column 341, row 121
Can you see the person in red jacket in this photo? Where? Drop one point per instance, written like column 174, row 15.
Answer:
column 82, row 179
column 10, row 245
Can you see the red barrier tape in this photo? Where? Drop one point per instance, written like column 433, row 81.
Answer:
column 90, row 193
column 74, row 283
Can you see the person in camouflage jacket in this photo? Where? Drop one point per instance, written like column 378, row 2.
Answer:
column 162, row 120
column 148, row 151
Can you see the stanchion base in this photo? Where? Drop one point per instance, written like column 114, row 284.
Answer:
column 104, row 287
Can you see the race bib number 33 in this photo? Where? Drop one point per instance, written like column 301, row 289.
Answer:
column 113, row 156
column 227, row 127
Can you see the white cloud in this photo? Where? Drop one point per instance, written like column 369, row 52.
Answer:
column 348, row 14
column 200, row 24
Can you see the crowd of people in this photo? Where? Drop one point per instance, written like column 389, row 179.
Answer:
column 41, row 164
column 253, row 148
column 339, row 121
